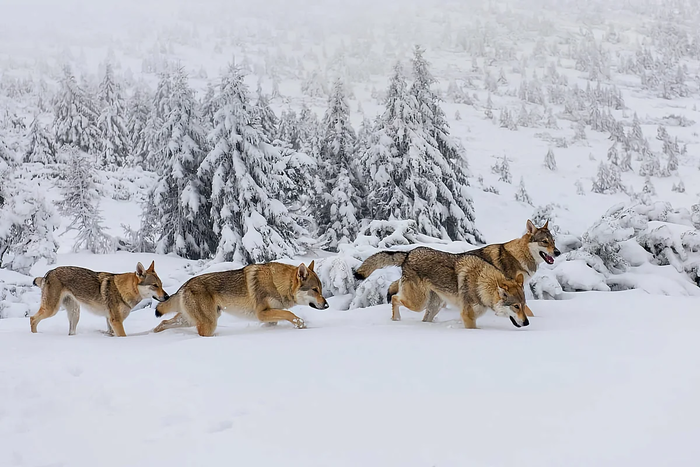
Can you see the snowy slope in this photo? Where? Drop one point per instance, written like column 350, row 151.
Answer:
column 604, row 379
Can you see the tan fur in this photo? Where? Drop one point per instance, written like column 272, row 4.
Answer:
column 110, row 295
column 260, row 290
column 431, row 278
column 511, row 258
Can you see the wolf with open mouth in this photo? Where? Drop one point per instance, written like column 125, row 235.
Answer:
column 519, row 256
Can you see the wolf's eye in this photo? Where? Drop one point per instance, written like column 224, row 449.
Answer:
column 154, row 287
column 517, row 307
column 315, row 289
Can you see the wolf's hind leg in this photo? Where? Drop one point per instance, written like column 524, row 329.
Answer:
column 412, row 295
column 73, row 309
column 50, row 303
column 435, row 304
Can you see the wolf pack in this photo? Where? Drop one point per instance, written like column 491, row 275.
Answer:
column 487, row 278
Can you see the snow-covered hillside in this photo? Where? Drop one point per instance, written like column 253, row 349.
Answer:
column 209, row 135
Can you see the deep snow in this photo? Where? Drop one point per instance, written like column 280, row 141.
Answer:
column 598, row 379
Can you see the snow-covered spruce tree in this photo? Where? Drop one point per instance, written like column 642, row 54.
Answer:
column 27, row 226
column 680, row 188
column 459, row 218
column 408, row 177
column 613, row 156
column 549, row 161
column 671, row 150
column 114, row 143
column 648, row 187
column 80, row 202
column 155, row 141
column 521, row 194
column 181, row 199
column 314, row 85
column 266, row 116
column 207, row 104
column 75, row 116
column 338, row 201
column 40, row 147
column 651, row 166
column 250, row 224
column 288, row 129
column 502, row 170
column 138, row 111
column 608, row 180
column 311, row 132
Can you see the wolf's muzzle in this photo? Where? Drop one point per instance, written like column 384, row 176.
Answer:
column 526, row 322
column 323, row 307
column 161, row 300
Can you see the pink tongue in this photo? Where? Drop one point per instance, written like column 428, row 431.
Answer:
column 549, row 259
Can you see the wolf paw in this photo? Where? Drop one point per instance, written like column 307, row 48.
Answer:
column 299, row 323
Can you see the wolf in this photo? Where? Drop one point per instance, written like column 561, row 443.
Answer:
column 103, row 293
column 260, row 290
column 432, row 278
column 520, row 256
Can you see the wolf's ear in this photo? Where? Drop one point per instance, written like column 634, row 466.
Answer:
column 520, row 279
column 302, row 272
column 546, row 225
column 531, row 229
column 502, row 292
column 140, row 271
column 152, row 267
column 311, row 266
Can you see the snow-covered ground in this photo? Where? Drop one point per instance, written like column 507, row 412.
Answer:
column 605, row 379
column 600, row 378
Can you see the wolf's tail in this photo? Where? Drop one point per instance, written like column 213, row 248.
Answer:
column 168, row 306
column 378, row 261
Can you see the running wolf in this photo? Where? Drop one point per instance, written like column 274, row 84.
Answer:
column 260, row 290
column 431, row 278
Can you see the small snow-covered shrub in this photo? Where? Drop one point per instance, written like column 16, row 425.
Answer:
column 544, row 285
column 27, row 225
column 336, row 274
column 649, row 246
column 126, row 184
column 385, row 234
column 372, row 291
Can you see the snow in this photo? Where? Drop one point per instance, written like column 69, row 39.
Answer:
column 601, row 379
column 603, row 376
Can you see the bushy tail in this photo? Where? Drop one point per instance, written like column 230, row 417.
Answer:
column 378, row 261
column 168, row 306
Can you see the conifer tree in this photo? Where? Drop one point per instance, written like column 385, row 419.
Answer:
column 549, row 161
column 75, row 116
column 80, row 202
column 114, row 143
column 250, row 223
column 180, row 203
column 338, row 204
column 40, row 147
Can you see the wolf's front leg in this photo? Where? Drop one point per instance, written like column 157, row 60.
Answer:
column 274, row 314
column 116, row 323
column 178, row 321
column 468, row 317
